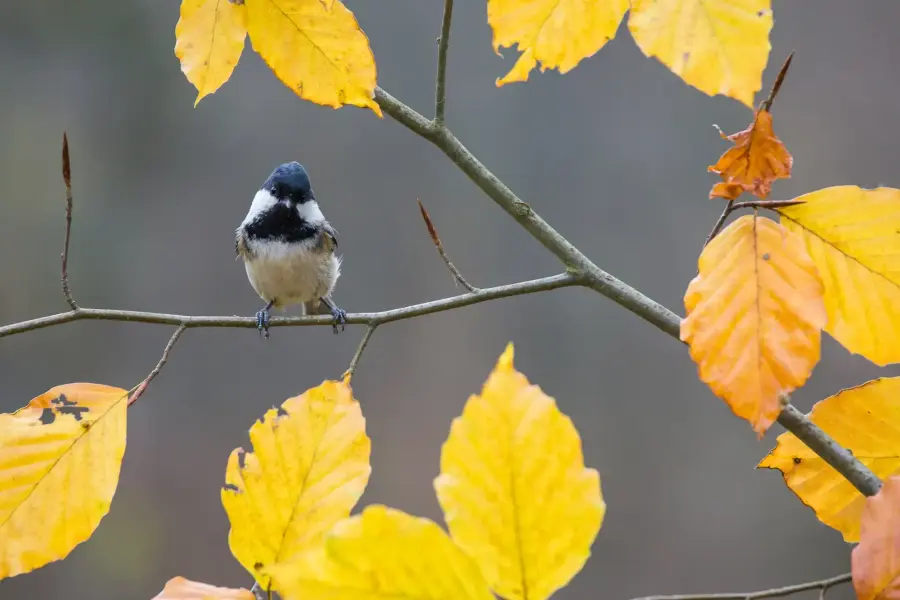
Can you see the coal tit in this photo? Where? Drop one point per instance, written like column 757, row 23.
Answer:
column 288, row 248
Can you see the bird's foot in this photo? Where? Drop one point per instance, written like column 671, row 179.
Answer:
column 262, row 322
column 340, row 318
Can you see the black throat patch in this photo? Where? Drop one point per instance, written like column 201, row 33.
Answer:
column 280, row 223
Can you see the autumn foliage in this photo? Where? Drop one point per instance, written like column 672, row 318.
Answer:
column 521, row 509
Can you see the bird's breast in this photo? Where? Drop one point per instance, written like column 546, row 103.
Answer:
column 290, row 273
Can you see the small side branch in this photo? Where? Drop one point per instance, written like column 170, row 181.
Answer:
column 142, row 386
column 729, row 208
column 440, row 248
column 440, row 92
column 821, row 585
column 67, row 178
column 359, row 350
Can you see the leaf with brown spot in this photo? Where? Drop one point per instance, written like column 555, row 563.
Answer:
column 754, row 317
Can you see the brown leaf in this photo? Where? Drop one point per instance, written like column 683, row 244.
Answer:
column 756, row 161
column 875, row 562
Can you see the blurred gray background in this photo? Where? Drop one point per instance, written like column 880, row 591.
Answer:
column 614, row 155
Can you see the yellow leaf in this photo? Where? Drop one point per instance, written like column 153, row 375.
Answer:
column 755, row 314
column 864, row 419
column 308, row 468
column 853, row 236
column 757, row 159
column 717, row 46
column 209, row 39
column 558, row 33
column 383, row 554
column 59, row 466
column 514, row 489
column 320, row 53
column 876, row 560
column 179, row 588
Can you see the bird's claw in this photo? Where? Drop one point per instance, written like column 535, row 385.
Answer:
column 262, row 322
column 340, row 318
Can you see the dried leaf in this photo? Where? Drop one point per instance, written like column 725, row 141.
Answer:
column 756, row 161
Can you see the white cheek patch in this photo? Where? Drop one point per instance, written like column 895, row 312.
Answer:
column 310, row 212
column 262, row 201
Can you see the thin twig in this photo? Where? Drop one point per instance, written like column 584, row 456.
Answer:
column 360, row 349
column 440, row 91
column 769, row 204
column 142, row 386
column 595, row 278
column 821, row 585
column 379, row 318
column 767, row 103
column 67, row 178
column 720, row 223
column 440, row 248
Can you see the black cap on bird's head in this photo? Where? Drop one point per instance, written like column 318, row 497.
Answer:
column 290, row 182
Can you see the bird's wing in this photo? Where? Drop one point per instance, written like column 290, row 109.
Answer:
column 328, row 240
column 240, row 244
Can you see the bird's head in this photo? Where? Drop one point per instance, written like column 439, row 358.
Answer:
column 290, row 182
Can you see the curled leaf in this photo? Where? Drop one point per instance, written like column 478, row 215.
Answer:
column 756, row 161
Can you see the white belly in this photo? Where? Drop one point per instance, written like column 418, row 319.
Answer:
column 289, row 274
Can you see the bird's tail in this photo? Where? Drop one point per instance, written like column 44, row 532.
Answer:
column 315, row 307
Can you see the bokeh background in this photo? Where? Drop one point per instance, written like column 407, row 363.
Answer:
column 613, row 154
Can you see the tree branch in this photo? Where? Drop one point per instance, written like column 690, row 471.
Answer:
column 833, row 453
column 821, row 585
column 440, row 91
column 568, row 254
column 369, row 318
column 576, row 262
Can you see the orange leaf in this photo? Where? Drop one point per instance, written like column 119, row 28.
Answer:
column 756, row 161
column 755, row 315
column 875, row 562
column 179, row 588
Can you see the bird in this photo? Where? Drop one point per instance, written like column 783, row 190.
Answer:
column 289, row 248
